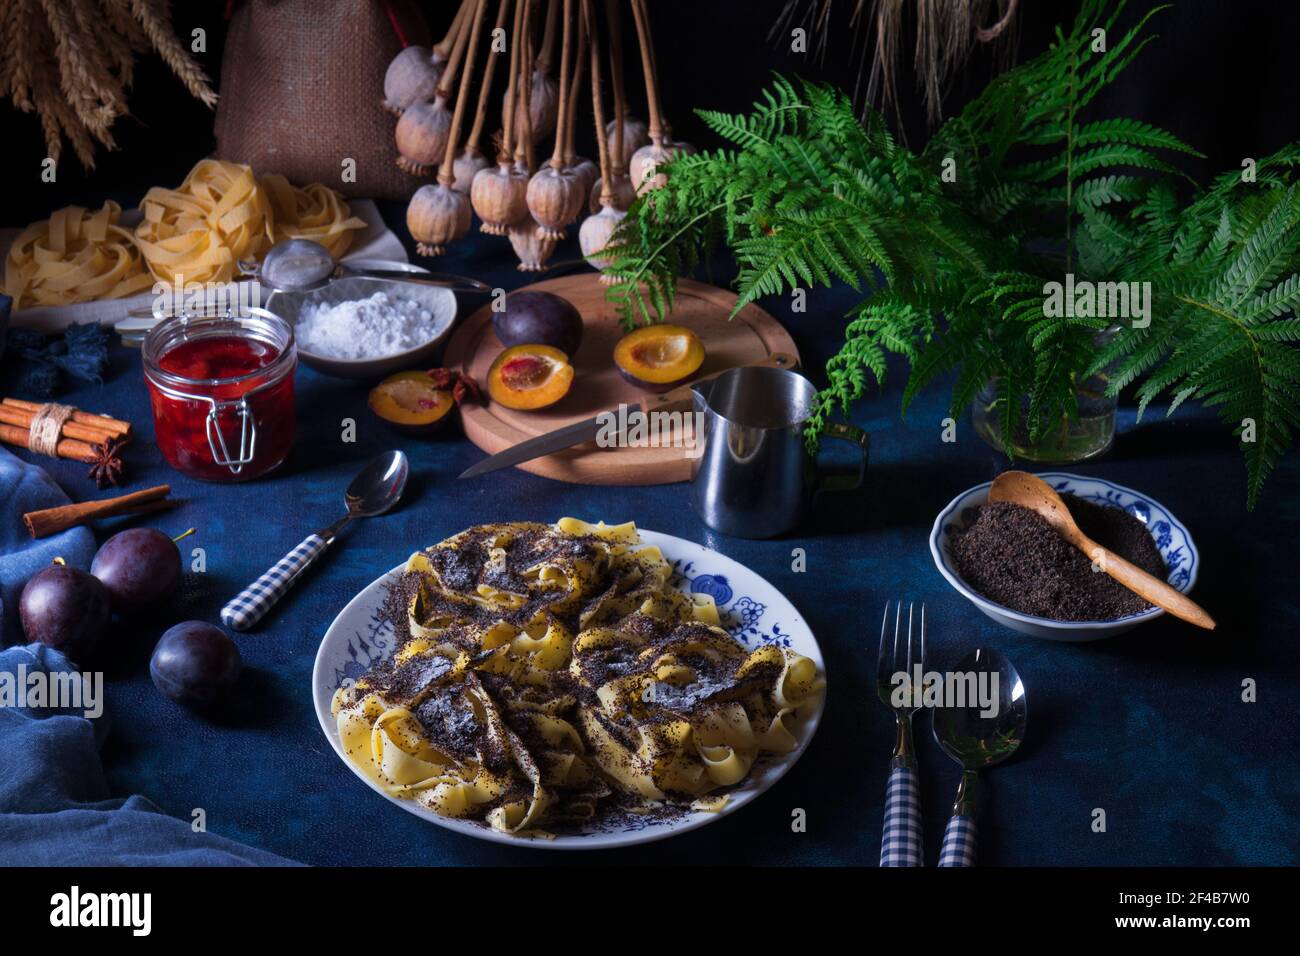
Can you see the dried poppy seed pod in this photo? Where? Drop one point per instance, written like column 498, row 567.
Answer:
column 499, row 196
column 555, row 199
column 647, row 160
column 543, row 107
column 620, row 183
column 422, row 136
column 586, row 171
column 594, row 235
column 466, row 167
column 410, row 78
column 533, row 249
column 634, row 137
column 436, row 217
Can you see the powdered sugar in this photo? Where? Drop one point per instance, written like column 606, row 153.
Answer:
column 375, row 327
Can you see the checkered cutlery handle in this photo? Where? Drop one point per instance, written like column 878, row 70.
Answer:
column 900, row 845
column 249, row 606
column 958, row 842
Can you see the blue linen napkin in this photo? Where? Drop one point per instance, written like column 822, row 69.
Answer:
column 6, row 302
column 24, row 488
column 55, row 808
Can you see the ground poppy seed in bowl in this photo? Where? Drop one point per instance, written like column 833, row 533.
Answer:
column 1013, row 557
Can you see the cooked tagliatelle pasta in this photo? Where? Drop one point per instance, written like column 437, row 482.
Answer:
column 552, row 676
column 72, row 256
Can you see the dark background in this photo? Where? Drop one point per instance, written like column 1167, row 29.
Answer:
column 1222, row 75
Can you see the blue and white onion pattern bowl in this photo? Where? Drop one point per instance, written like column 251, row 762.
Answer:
column 752, row 610
column 1172, row 540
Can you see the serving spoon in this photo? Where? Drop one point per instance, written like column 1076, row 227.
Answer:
column 977, row 738
column 1030, row 491
column 375, row 489
column 303, row 265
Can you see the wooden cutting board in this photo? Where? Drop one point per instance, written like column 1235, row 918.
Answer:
column 752, row 335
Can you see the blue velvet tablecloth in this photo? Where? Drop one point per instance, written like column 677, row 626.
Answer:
column 1150, row 728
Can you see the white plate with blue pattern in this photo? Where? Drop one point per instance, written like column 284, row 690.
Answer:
column 752, row 610
column 1172, row 540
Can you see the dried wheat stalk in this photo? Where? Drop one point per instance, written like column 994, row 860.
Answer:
column 72, row 62
column 946, row 34
column 17, row 69
column 156, row 18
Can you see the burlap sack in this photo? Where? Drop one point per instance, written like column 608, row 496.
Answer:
column 301, row 85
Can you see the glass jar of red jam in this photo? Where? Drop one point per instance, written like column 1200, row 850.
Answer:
column 222, row 393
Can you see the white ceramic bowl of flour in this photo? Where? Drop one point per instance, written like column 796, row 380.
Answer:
column 365, row 328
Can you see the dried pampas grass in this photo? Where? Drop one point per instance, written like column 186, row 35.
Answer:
column 72, row 62
column 946, row 34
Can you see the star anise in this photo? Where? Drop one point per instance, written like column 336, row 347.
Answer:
column 462, row 387
column 107, row 468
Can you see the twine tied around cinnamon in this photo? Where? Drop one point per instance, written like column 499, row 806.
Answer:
column 47, row 426
column 61, row 431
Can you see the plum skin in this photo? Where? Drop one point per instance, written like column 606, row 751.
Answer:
column 539, row 318
column 195, row 663
column 65, row 608
column 139, row 567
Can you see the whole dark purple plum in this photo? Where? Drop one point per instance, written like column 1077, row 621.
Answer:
column 66, row 608
column 194, row 663
column 139, row 567
column 539, row 318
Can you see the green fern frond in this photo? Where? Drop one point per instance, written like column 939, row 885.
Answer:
column 1108, row 189
column 954, row 271
column 1135, row 132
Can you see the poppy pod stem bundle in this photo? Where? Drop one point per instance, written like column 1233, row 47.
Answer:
column 440, row 214
column 555, row 193
column 662, row 148
column 551, row 50
column 597, row 229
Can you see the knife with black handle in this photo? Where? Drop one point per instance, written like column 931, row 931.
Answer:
column 678, row 399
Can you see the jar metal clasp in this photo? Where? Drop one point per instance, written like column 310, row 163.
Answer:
column 212, row 426
column 217, row 439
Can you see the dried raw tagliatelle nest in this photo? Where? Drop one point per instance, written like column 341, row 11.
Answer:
column 73, row 256
column 314, row 212
column 222, row 214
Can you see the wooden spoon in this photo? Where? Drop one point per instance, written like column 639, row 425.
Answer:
column 1030, row 491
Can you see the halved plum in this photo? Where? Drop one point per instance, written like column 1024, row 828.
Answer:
column 411, row 402
column 526, row 377
column 659, row 357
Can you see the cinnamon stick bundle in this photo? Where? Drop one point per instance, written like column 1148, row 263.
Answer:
column 116, row 427
column 95, row 434
column 67, row 447
column 74, row 434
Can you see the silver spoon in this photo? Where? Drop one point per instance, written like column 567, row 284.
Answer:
column 302, row 265
column 375, row 489
column 978, row 737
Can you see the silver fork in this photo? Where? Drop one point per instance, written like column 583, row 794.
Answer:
column 900, row 842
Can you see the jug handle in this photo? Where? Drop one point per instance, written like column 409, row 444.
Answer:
column 681, row 399
column 856, row 436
